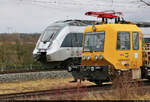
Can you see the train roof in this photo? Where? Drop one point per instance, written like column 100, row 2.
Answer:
column 144, row 26
column 114, row 27
column 77, row 22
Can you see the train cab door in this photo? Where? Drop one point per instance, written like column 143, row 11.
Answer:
column 123, row 50
column 129, row 55
column 136, row 57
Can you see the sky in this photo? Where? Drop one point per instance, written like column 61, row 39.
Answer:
column 32, row 16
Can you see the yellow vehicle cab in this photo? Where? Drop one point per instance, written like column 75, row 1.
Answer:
column 109, row 49
column 117, row 45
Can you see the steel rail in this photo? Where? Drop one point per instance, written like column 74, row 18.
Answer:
column 64, row 91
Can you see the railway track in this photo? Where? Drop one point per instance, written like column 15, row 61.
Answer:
column 74, row 92
column 51, row 93
column 34, row 70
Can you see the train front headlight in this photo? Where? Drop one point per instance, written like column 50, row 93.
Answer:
column 96, row 57
column 83, row 58
column 88, row 57
column 101, row 57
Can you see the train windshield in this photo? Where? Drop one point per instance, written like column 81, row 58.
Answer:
column 51, row 32
column 94, row 41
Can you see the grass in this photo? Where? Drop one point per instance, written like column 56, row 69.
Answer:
column 16, row 51
column 123, row 88
column 44, row 84
column 110, row 96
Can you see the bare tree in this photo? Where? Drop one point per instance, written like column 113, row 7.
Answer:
column 145, row 2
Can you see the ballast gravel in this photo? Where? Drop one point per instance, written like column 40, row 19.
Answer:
column 33, row 76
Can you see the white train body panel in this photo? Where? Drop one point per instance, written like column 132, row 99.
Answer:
column 58, row 53
column 55, row 50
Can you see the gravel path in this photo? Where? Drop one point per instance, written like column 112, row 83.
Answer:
column 33, row 76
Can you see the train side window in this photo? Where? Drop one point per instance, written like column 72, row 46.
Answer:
column 77, row 40
column 123, row 40
column 73, row 40
column 67, row 41
column 135, row 40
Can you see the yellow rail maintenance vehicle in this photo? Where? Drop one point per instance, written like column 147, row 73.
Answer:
column 110, row 49
column 146, row 53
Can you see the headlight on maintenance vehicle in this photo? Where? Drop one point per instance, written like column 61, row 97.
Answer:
column 83, row 58
column 88, row 57
column 96, row 57
column 101, row 57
